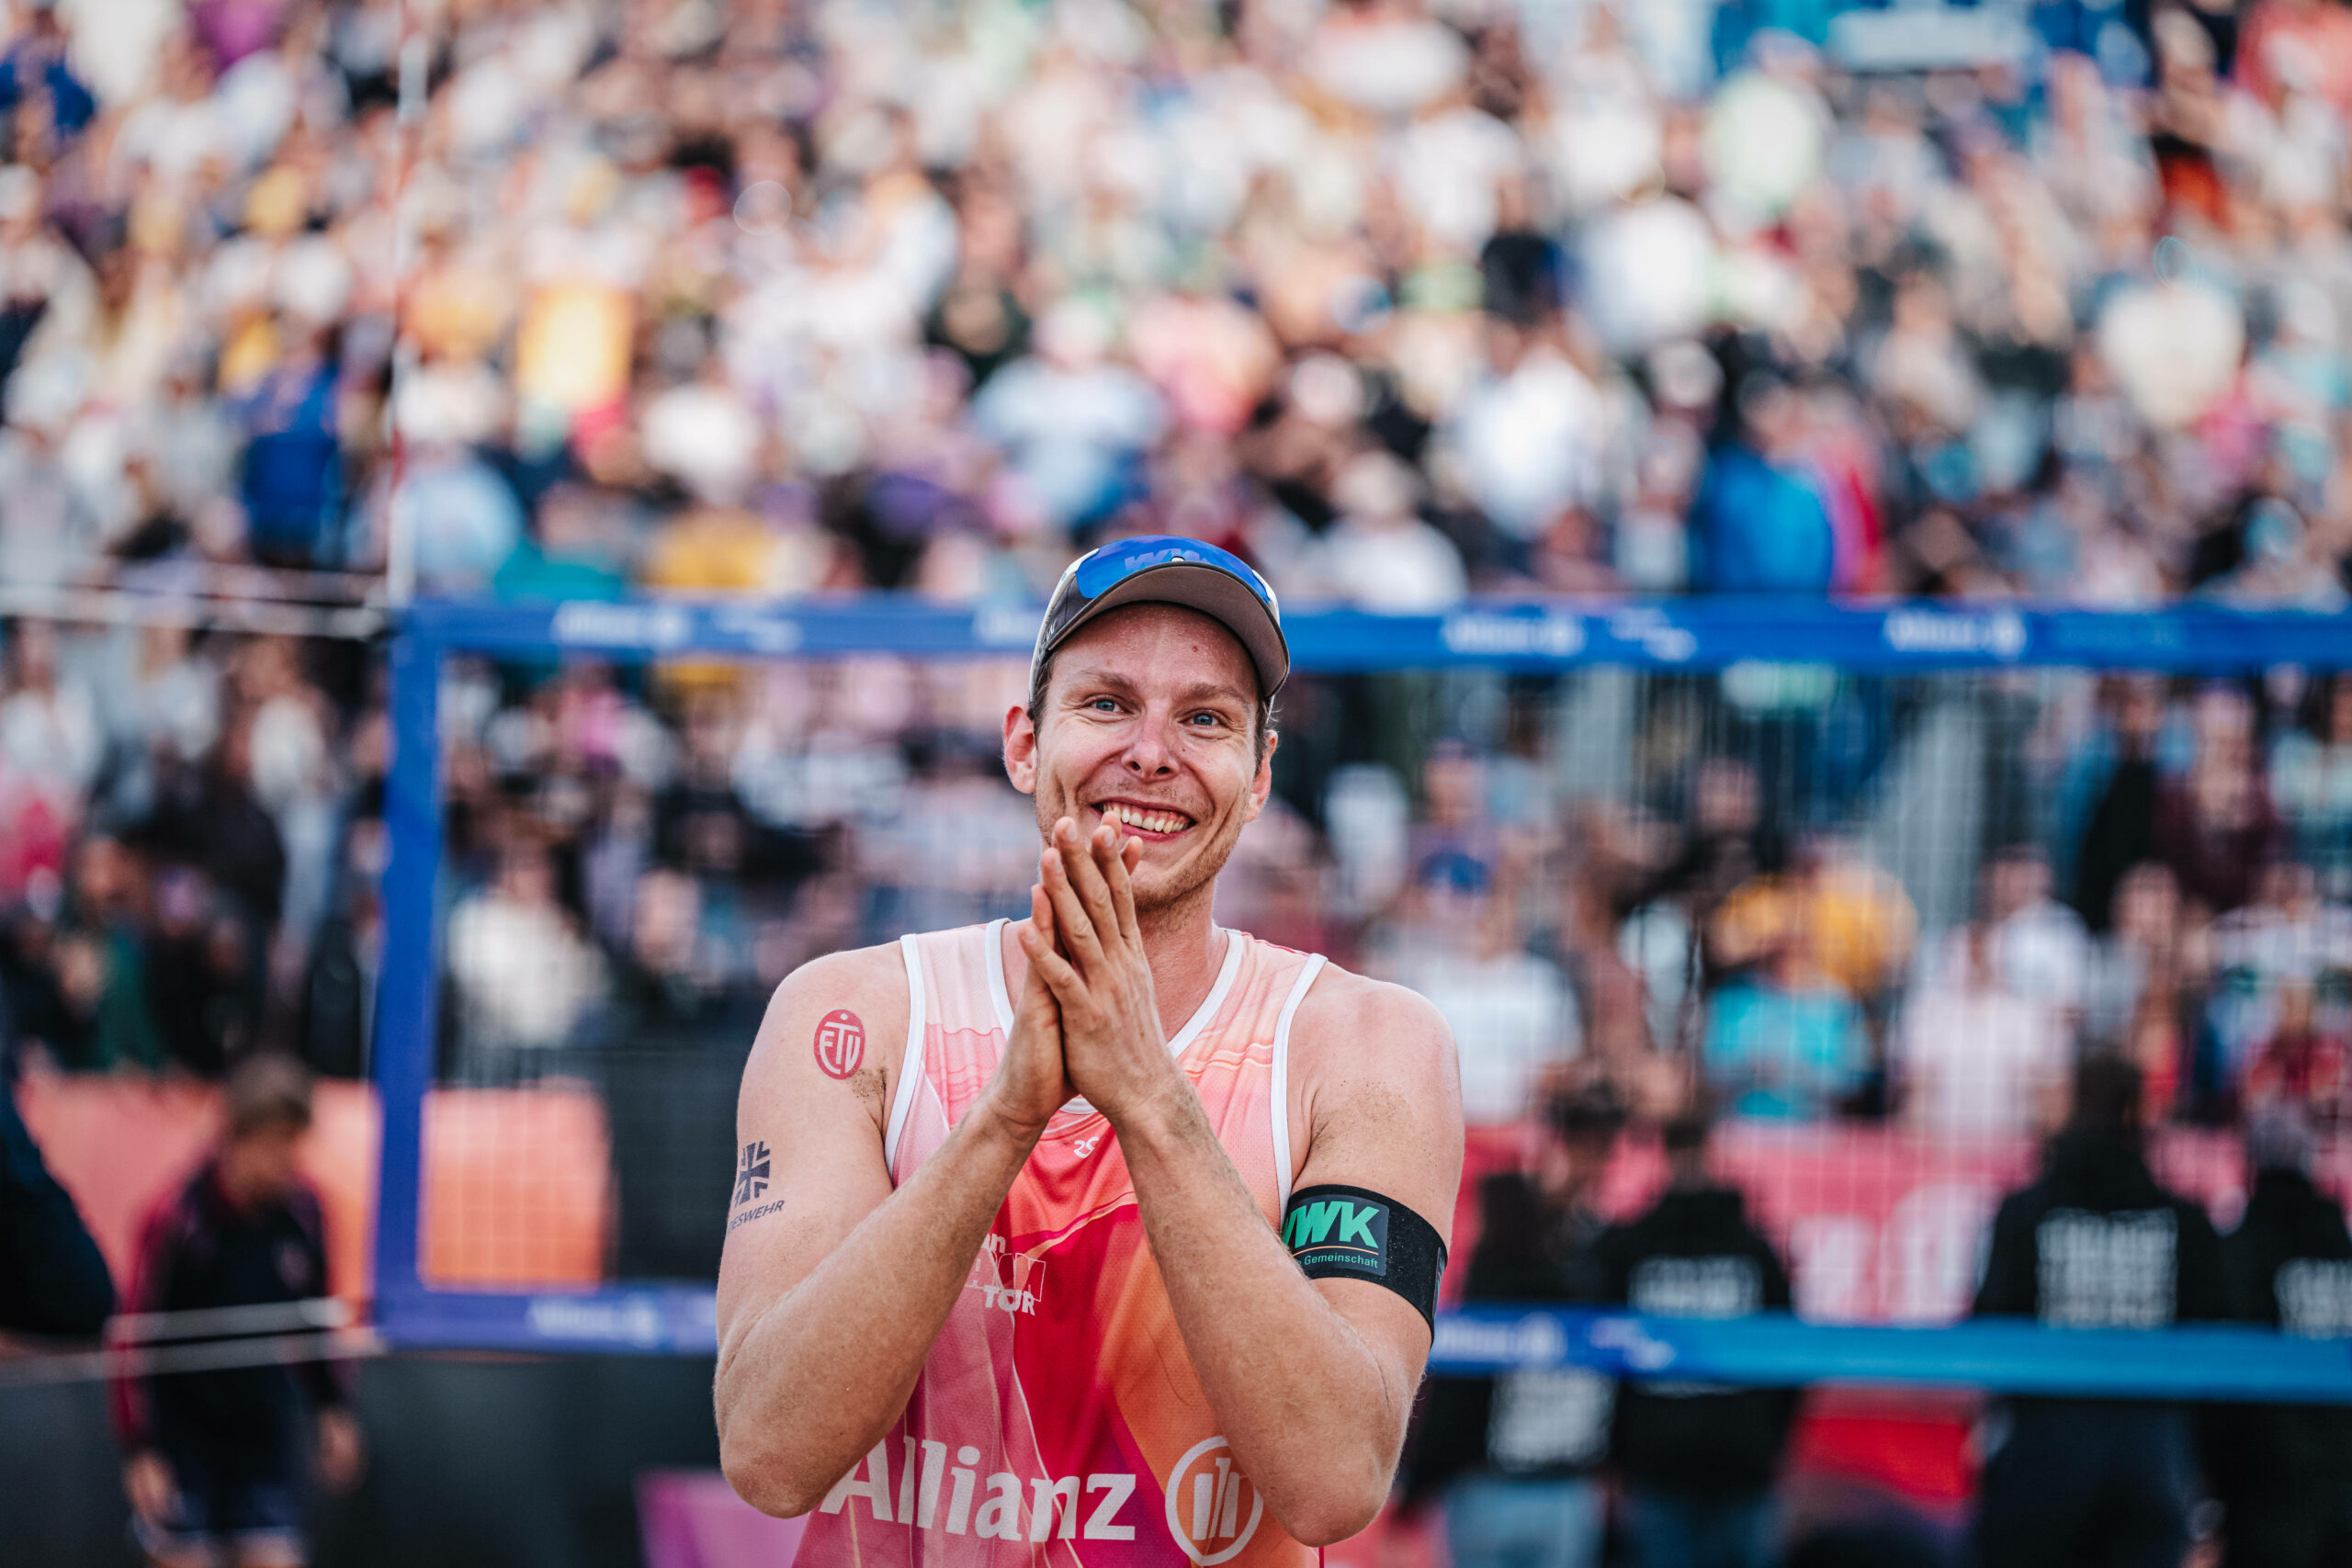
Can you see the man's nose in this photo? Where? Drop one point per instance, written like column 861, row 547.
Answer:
column 1149, row 753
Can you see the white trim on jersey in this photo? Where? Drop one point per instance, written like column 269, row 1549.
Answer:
column 911, row 1064
column 1281, row 1128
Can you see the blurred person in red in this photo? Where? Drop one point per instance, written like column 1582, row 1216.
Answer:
column 2216, row 826
column 2096, row 1243
column 215, row 1458
column 2275, row 1020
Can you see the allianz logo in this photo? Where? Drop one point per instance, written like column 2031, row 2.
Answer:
column 2001, row 633
column 1213, row 1511
column 1052, row 1505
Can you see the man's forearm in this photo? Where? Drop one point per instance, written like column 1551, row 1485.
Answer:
column 1301, row 1396
column 816, row 1376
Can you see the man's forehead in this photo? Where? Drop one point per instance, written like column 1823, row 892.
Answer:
column 1160, row 644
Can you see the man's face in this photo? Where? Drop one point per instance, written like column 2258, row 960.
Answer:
column 1147, row 723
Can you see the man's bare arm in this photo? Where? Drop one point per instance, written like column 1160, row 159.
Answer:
column 829, row 1305
column 1311, row 1380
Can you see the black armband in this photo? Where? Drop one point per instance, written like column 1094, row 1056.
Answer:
column 1346, row 1233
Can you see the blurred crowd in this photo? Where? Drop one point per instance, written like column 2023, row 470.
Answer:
column 1404, row 299
column 2150, row 868
column 1915, row 899
column 191, row 839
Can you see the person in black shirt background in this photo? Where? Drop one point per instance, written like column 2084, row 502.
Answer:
column 2096, row 1243
column 1698, row 1461
column 2284, row 1473
column 1516, row 1457
column 214, row 1459
column 53, row 1279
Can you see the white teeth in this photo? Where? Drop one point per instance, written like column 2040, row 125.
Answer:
column 1150, row 822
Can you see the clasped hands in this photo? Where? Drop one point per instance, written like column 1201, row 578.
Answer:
column 1088, row 1022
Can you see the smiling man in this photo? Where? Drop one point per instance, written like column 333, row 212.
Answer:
column 1107, row 1235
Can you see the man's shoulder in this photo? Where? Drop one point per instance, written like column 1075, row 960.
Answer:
column 869, row 982
column 880, row 966
column 1353, row 1026
column 1345, row 1005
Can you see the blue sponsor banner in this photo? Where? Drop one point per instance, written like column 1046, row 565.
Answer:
column 1681, row 634
column 1769, row 1350
column 2012, row 1356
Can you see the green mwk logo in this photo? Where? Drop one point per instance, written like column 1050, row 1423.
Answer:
column 1342, row 1230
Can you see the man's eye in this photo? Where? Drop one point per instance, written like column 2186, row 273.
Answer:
column 1104, row 705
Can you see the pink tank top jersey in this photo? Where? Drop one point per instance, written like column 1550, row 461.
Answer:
column 1058, row 1419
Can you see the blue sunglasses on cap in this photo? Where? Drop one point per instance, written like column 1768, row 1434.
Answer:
column 1163, row 569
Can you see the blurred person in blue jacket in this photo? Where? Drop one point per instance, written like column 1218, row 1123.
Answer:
column 1757, row 526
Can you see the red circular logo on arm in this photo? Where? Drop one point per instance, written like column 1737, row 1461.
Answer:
column 840, row 1043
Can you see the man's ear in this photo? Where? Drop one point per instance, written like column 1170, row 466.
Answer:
column 1264, row 784
column 1021, row 750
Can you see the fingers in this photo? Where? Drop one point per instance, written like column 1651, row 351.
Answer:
column 1041, row 921
column 1051, row 967
column 1086, row 857
column 1118, row 863
column 1077, row 929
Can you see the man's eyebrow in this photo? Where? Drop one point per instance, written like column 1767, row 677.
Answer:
column 1094, row 676
column 1211, row 691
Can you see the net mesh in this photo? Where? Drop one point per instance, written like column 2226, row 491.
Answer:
column 1873, row 920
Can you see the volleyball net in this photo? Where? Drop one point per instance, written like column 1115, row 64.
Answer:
column 1869, row 883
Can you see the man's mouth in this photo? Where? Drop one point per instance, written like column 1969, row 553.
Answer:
column 1144, row 821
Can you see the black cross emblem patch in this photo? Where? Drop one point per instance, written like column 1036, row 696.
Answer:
column 752, row 1175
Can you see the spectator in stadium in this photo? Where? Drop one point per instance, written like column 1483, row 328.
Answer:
column 523, row 976
column 1758, row 525
column 2037, row 948
column 2095, row 1243
column 1457, row 942
column 53, row 1279
column 2132, row 999
column 2111, row 780
column 50, row 735
column 2276, row 1024
column 1516, row 1458
column 1700, row 1463
column 2311, row 777
column 1975, row 1059
column 214, row 1460
column 2216, row 826
column 2284, row 1474
column 1783, row 1039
